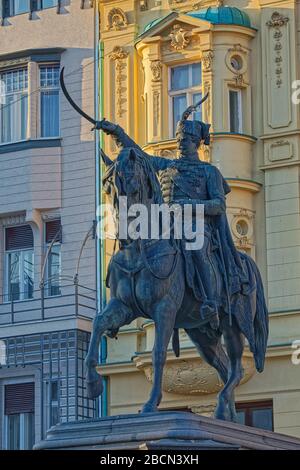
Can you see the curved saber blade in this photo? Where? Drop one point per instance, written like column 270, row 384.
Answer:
column 201, row 101
column 191, row 109
column 72, row 103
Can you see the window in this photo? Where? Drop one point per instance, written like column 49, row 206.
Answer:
column 185, row 89
column 19, row 416
column 54, row 406
column 42, row 4
column 235, row 111
column 13, row 105
column 53, row 240
column 19, row 266
column 49, row 83
column 17, row 7
column 258, row 415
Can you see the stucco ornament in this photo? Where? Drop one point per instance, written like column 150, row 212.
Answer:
column 118, row 55
column 207, row 60
column 179, row 38
column 191, row 376
column 117, row 19
column 277, row 22
column 156, row 68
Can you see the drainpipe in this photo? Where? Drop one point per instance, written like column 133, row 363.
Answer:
column 100, row 244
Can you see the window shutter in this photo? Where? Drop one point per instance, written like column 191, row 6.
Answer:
column 53, row 231
column 19, row 238
column 19, row 398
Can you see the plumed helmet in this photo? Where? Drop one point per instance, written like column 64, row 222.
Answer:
column 197, row 129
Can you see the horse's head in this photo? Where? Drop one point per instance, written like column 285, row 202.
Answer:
column 132, row 176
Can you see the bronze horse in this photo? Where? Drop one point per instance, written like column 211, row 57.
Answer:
column 147, row 279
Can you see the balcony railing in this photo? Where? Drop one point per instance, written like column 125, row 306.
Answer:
column 75, row 300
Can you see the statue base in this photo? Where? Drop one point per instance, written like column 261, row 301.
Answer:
column 167, row 430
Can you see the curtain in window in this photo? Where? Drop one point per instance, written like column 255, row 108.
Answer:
column 234, row 106
column 19, row 263
column 49, row 81
column 13, row 106
column 54, row 233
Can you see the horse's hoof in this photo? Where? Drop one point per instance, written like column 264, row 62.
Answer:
column 223, row 416
column 222, row 412
column 149, row 409
column 94, row 388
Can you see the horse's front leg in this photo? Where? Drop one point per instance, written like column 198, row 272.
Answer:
column 164, row 319
column 114, row 315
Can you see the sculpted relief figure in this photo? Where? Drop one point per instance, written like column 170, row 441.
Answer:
column 211, row 292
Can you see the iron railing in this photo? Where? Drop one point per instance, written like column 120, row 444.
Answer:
column 75, row 300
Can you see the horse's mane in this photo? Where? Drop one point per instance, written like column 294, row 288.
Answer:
column 144, row 161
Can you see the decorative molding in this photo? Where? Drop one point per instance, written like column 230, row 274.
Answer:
column 207, row 60
column 156, row 112
column 190, row 376
column 207, row 104
column 31, row 55
column 10, row 220
column 277, row 20
column 242, row 228
column 206, row 409
column 239, row 80
column 118, row 55
column 208, row 3
column 116, row 19
column 143, row 5
column 281, row 149
column 156, row 68
column 179, row 38
column 238, row 52
column 47, row 216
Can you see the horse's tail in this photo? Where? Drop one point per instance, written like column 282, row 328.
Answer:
column 261, row 323
column 175, row 342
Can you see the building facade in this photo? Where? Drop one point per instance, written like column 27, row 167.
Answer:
column 47, row 207
column 159, row 56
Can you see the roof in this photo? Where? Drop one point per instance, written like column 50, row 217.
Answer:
column 214, row 15
column 222, row 15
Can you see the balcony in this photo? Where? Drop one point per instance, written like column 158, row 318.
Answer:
column 76, row 301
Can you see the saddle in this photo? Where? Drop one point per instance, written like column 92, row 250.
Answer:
column 158, row 256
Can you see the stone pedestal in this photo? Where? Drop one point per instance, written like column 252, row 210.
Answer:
column 163, row 431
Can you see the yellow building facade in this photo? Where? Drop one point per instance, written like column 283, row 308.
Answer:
column 157, row 57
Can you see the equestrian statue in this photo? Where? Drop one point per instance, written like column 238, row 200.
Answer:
column 215, row 293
